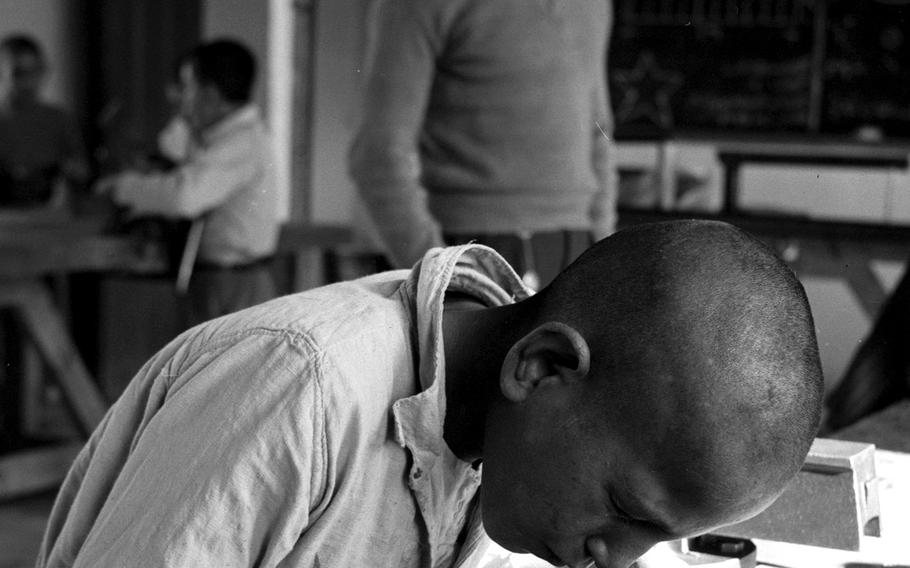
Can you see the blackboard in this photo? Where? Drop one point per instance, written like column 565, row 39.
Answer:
column 741, row 66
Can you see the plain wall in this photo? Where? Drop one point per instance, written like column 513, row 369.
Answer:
column 264, row 27
column 340, row 46
column 247, row 22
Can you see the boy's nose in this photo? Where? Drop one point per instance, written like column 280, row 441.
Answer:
column 621, row 551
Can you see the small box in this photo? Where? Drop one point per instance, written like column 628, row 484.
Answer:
column 832, row 502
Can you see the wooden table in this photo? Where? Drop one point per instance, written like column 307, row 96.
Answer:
column 34, row 246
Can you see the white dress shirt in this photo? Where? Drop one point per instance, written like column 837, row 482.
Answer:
column 229, row 178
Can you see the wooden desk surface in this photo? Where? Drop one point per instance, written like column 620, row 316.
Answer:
column 82, row 254
column 37, row 243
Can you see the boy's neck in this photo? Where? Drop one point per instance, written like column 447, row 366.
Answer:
column 475, row 340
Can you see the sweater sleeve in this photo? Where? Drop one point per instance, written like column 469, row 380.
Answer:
column 205, row 181
column 384, row 160
column 603, row 152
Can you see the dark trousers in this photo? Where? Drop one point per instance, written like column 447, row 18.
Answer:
column 544, row 253
column 214, row 291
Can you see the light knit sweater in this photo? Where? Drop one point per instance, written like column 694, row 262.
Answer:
column 486, row 116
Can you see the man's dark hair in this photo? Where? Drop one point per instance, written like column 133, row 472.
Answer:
column 21, row 44
column 227, row 65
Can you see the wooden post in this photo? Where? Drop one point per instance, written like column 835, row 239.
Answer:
column 31, row 302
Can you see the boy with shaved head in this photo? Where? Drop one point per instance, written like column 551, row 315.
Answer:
column 663, row 385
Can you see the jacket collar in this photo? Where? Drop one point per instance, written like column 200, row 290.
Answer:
column 239, row 119
column 443, row 484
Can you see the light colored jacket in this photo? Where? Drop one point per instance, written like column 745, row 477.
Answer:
column 303, row 432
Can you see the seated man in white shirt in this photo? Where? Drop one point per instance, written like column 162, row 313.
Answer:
column 226, row 178
column 664, row 384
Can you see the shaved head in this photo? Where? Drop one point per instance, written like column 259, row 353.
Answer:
column 704, row 351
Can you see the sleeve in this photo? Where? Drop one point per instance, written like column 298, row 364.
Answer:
column 206, row 180
column 384, row 160
column 603, row 152
column 219, row 468
column 175, row 139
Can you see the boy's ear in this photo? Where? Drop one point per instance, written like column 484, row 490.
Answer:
column 552, row 353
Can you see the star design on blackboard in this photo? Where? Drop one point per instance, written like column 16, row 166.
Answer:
column 646, row 90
